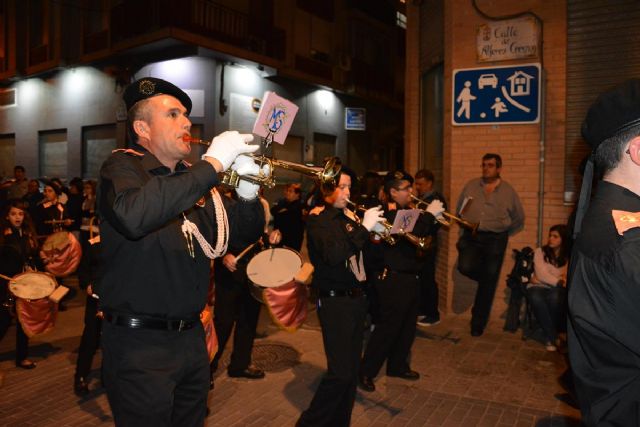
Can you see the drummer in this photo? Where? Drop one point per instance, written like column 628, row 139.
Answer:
column 19, row 251
column 52, row 214
column 233, row 301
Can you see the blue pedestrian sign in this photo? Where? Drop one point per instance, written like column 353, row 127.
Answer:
column 496, row 95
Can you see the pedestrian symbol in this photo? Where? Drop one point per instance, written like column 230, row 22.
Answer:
column 496, row 95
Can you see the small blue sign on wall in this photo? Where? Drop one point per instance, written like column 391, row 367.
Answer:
column 355, row 118
column 496, row 95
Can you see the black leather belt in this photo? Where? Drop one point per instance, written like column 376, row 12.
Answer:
column 353, row 293
column 147, row 323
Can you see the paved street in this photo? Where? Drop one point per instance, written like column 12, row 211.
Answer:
column 496, row 379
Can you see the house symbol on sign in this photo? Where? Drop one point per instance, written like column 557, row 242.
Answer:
column 520, row 83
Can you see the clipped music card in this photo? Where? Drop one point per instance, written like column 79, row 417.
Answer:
column 405, row 221
column 275, row 117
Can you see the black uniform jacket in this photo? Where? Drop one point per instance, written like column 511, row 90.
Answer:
column 332, row 238
column 604, row 305
column 146, row 268
column 404, row 256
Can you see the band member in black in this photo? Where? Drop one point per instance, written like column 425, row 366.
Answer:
column 233, row 301
column 335, row 240
column 161, row 224
column 397, row 286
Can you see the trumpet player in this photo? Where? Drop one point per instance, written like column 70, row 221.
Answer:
column 161, row 224
column 396, row 283
column 497, row 208
column 335, row 241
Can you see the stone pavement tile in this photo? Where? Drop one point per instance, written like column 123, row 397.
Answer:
column 400, row 422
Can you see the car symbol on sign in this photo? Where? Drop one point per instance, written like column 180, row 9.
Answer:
column 487, row 80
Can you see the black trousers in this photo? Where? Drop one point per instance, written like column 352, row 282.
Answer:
column 395, row 330
column 155, row 377
column 342, row 322
column 480, row 258
column 428, row 305
column 90, row 338
column 234, row 305
column 22, row 341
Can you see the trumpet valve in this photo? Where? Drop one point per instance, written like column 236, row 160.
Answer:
column 230, row 178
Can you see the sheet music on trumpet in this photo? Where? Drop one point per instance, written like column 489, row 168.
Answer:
column 405, row 221
column 274, row 118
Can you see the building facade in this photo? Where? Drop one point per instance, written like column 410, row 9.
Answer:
column 63, row 66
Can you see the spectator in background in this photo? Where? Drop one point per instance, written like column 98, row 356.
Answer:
column 546, row 291
column 16, row 187
column 33, row 197
column 495, row 205
column 428, row 306
column 287, row 217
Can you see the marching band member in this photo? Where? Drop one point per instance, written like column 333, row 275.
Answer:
column 604, row 273
column 233, row 301
column 17, row 233
column 335, row 241
column 397, row 288
column 51, row 214
column 161, row 224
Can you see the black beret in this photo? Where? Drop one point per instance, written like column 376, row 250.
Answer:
column 148, row 87
column 613, row 112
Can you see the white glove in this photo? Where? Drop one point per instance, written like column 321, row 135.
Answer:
column 379, row 228
column 247, row 190
column 226, row 147
column 372, row 216
column 435, row 208
column 245, row 165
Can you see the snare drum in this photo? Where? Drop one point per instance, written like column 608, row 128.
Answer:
column 36, row 313
column 272, row 268
column 272, row 273
column 32, row 285
column 61, row 253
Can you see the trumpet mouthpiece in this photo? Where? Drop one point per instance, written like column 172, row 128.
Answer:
column 192, row 140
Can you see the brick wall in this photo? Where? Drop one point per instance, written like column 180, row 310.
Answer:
column 519, row 145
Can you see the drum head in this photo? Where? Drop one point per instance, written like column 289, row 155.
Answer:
column 32, row 285
column 274, row 267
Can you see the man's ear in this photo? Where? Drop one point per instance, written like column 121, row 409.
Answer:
column 141, row 128
column 634, row 150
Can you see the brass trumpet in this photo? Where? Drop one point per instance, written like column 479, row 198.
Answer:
column 420, row 242
column 471, row 226
column 326, row 174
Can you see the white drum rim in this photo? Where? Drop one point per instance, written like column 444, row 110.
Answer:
column 22, row 290
column 260, row 274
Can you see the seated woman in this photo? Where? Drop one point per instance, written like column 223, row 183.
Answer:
column 546, row 292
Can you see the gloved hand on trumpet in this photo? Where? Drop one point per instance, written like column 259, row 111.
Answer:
column 245, row 165
column 372, row 219
column 436, row 208
column 228, row 145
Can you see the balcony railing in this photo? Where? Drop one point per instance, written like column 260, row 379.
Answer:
column 203, row 17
